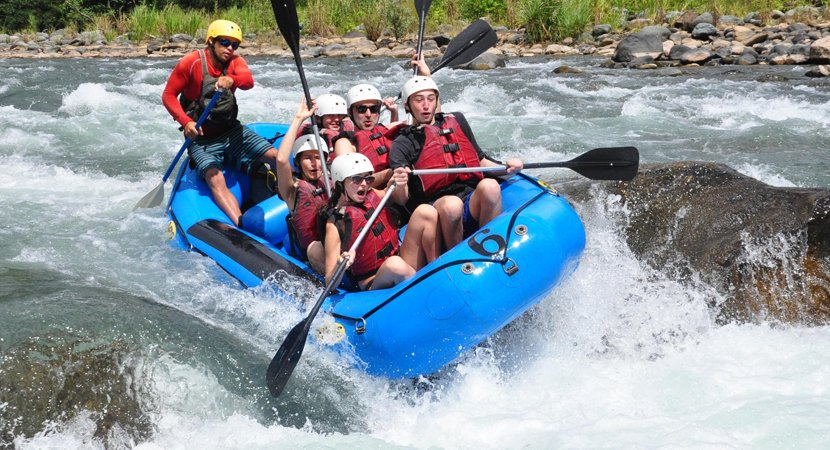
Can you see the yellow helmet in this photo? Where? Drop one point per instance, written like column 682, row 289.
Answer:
column 224, row 28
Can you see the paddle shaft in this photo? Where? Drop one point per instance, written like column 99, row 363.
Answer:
column 423, row 6
column 541, row 165
column 299, row 62
column 188, row 141
column 610, row 163
column 289, row 353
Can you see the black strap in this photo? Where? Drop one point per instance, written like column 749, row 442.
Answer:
column 376, row 136
column 385, row 251
column 276, row 136
column 382, row 149
column 378, row 228
column 450, row 148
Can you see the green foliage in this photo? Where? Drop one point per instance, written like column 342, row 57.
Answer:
column 544, row 19
column 495, row 10
column 539, row 18
column 399, row 19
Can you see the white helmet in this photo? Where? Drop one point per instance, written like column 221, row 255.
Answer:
column 363, row 92
column 416, row 84
column 307, row 143
column 350, row 164
column 330, row 104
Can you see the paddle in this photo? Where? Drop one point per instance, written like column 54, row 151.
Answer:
column 154, row 197
column 284, row 362
column 471, row 42
column 285, row 11
column 612, row 163
column 422, row 7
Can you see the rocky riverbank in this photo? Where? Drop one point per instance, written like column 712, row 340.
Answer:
column 799, row 36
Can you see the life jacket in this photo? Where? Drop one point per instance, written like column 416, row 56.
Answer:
column 446, row 146
column 379, row 244
column 375, row 145
column 303, row 220
column 223, row 114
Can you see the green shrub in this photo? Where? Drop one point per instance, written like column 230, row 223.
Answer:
column 399, row 19
column 495, row 10
column 539, row 18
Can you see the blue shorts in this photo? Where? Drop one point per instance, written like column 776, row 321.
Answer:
column 469, row 222
column 238, row 148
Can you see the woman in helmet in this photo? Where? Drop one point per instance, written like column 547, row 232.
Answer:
column 331, row 110
column 379, row 261
column 222, row 139
column 303, row 191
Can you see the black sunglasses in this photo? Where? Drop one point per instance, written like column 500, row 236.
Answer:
column 228, row 43
column 357, row 179
column 362, row 108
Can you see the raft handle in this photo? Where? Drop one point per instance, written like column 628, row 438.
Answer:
column 510, row 267
column 360, row 326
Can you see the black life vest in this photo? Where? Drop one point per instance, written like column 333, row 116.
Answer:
column 380, row 242
column 446, row 146
column 224, row 113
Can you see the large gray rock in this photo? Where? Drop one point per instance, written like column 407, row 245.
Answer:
column 765, row 249
column 601, row 29
column 819, row 72
column 820, row 51
column 488, row 60
column 704, row 31
column 637, row 45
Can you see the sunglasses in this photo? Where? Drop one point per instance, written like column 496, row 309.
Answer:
column 362, row 109
column 228, row 43
column 357, row 179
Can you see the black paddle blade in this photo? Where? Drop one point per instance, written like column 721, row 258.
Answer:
column 471, row 42
column 286, row 359
column 611, row 163
column 422, row 5
column 285, row 11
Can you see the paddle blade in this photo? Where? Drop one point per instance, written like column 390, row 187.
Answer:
column 152, row 199
column 612, row 163
column 286, row 359
column 285, row 11
column 422, row 5
column 471, row 42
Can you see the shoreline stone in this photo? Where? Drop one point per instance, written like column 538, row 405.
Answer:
column 797, row 37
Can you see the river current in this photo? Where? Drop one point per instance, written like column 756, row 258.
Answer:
column 109, row 337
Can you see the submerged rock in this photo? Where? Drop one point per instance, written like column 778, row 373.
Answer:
column 45, row 381
column 765, row 249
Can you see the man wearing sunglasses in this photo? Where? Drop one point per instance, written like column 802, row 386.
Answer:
column 222, row 140
column 371, row 138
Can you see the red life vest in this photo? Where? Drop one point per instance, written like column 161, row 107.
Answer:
column 380, row 242
column 375, row 145
column 446, row 146
column 308, row 200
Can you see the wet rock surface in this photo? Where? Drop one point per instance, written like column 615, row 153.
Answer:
column 765, row 249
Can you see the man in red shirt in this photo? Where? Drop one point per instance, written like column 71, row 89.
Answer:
column 221, row 140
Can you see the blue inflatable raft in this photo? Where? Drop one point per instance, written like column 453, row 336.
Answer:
column 422, row 324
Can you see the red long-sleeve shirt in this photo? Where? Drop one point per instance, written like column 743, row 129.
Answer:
column 187, row 79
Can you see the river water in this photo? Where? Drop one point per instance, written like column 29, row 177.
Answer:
column 111, row 338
